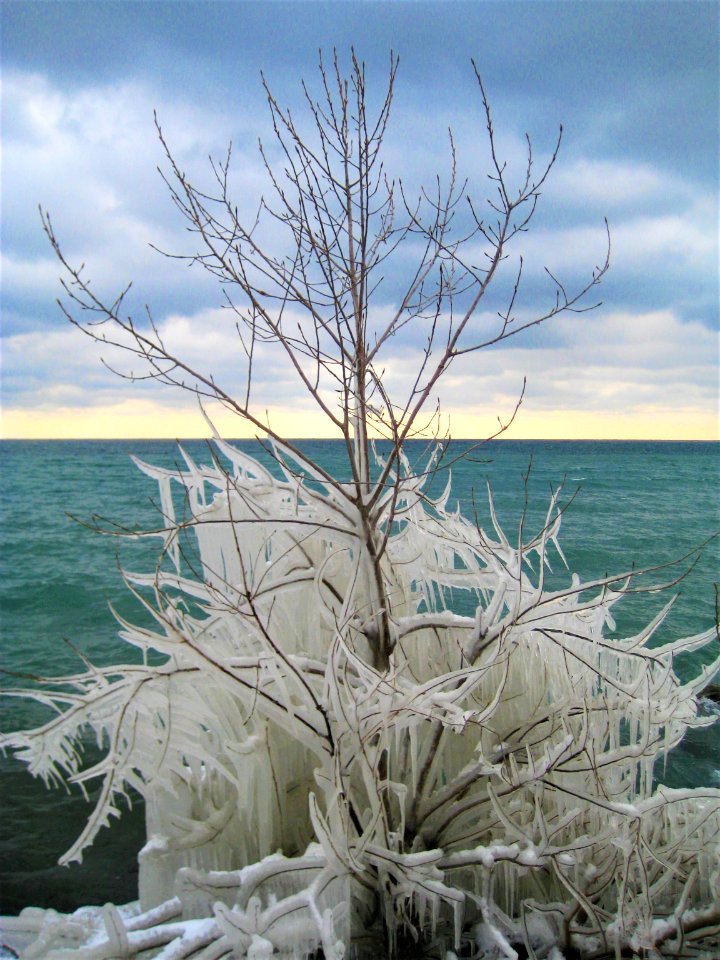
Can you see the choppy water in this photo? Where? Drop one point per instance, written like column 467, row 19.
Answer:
column 639, row 504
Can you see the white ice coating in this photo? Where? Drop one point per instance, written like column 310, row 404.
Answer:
column 498, row 777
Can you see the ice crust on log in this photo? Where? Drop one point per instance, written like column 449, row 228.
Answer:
column 493, row 788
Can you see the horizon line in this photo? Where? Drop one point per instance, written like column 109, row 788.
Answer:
column 479, row 440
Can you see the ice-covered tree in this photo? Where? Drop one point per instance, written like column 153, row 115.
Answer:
column 361, row 722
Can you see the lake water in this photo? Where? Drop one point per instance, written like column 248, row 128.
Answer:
column 638, row 504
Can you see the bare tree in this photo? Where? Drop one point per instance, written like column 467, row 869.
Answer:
column 344, row 219
column 463, row 780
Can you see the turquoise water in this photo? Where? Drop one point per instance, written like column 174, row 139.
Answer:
column 637, row 505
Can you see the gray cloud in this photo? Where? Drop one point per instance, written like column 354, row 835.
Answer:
column 609, row 362
column 88, row 153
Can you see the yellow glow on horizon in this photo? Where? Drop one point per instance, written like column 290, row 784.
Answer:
column 692, row 423
column 146, row 420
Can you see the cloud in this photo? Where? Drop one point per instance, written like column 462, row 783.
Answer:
column 89, row 155
column 603, row 365
column 43, row 368
column 658, row 260
column 611, row 362
column 614, row 184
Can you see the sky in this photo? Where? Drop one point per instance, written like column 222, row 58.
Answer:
column 634, row 84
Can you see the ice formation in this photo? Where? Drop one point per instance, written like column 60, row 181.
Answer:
column 492, row 787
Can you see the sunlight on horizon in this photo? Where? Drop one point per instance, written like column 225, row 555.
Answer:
column 144, row 420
